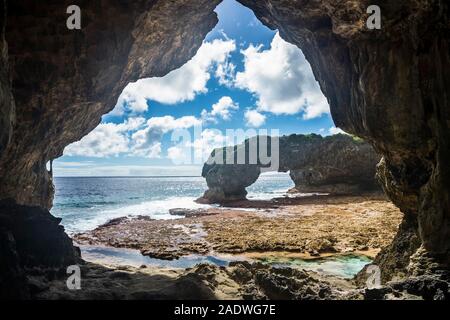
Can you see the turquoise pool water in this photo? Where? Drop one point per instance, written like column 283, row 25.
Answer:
column 346, row 266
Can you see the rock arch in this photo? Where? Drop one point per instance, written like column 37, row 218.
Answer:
column 333, row 164
column 389, row 87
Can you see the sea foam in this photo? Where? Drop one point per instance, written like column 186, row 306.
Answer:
column 155, row 209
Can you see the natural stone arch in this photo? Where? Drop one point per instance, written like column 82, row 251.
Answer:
column 389, row 87
column 338, row 164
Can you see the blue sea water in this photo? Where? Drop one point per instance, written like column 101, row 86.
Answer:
column 84, row 203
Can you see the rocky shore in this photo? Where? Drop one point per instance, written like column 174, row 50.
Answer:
column 240, row 280
column 306, row 227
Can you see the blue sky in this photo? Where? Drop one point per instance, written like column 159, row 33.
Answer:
column 244, row 76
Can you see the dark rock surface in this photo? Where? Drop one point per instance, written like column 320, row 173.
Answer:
column 192, row 213
column 241, row 280
column 127, row 283
column 424, row 287
column 338, row 164
column 259, row 281
column 30, row 237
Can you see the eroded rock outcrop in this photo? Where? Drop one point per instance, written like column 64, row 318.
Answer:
column 338, row 164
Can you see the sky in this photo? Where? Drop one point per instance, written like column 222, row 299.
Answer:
column 243, row 77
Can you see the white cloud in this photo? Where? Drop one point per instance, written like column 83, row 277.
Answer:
column 209, row 140
column 132, row 137
column 182, row 84
column 334, row 130
column 174, row 153
column 147, row 141
column 108, row 139
column 254, row 119
column 168, row 123
column 282, row 80
column 154, row 151
column 222, row 109
column 225, row 73
column 199, row 149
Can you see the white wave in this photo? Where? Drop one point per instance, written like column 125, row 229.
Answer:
column 267, row 195
column 155, row 209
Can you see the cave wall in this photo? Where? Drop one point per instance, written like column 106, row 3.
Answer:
column 64, row 80
column 388, row 86
column 7, row 106
column 55, row 84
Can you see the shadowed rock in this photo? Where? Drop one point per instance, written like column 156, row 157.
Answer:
column 30, row 237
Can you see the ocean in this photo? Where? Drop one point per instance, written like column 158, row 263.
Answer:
column 84, row 203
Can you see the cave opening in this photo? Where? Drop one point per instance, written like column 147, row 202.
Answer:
column 227, row 86
column 146, row 156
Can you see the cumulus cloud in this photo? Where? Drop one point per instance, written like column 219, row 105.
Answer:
column 135, row 136
column 154, row 151
column 182, row 84
column 222, row 109
column 282, row 80
column 209, row 140
column 198, row 149
column 146, row 142
column 176, row 153
column 333, row 130
column 225, row 73
column 108, row 139
column 254, row 119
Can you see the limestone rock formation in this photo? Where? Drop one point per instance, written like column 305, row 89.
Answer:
column 337, row 164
